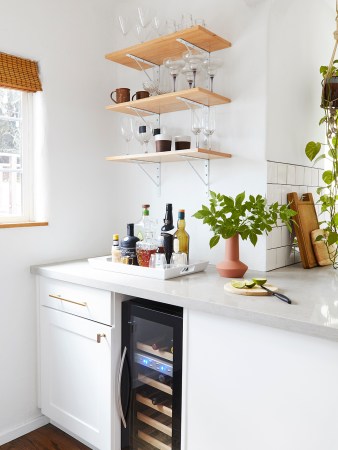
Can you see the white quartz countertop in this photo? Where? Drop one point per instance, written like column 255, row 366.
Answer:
column 314, row 294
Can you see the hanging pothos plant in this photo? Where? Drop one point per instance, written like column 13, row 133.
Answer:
column 328, row 151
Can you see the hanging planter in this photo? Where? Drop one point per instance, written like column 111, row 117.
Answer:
column 330, row 86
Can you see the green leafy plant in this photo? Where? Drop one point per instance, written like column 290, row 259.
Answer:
column 227, row 216
column 328, row 194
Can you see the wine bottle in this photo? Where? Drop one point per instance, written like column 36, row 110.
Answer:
column 128, row 246
column 165, row 380
column 163, row 343
column 181, row 234
column 161, row 399
column 167, row 232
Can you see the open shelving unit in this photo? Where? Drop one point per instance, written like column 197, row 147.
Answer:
column 152, row 53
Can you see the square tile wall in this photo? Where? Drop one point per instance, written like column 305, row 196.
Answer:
column 282, row 179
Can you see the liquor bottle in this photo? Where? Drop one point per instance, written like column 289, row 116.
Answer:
column 167, row 231
column 115, row 250
column 145, row 225
column 128, row 246
column 181, row 234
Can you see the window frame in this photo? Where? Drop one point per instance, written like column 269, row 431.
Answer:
column 27, row 164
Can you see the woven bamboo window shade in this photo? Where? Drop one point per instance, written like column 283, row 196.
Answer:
column 19, row 73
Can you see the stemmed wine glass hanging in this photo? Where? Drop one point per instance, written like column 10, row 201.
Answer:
column 211, row 65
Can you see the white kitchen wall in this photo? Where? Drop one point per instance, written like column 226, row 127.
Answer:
column 86, row 199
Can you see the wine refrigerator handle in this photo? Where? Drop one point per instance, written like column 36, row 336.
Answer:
column 119, row 402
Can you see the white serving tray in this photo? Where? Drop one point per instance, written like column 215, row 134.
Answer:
column 105, row 263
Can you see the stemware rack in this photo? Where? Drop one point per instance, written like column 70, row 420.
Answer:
column 149, row 54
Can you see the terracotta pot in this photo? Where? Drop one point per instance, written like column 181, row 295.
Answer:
column 232, row 267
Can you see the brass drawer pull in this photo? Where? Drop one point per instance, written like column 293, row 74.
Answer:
column 99, row 336
column 58, row 297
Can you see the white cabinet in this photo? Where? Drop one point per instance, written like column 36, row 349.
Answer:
column 79, row 353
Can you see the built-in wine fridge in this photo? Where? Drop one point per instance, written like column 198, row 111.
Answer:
column 150, row 377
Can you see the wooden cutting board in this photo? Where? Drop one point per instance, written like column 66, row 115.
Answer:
column 306, row 221
column 256, row 290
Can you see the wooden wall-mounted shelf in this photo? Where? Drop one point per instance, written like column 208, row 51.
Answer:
column 173, row 156
column 164, row 103
column 167, row 46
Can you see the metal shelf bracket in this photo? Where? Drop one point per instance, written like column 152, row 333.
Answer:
column 156, row 179
column 206, row 169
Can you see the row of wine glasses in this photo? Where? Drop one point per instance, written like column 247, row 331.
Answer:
column 149, row 24
column 202, row 120
column 190, row 64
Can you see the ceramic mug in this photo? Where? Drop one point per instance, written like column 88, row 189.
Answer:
column 122, row 95
column 140, row 94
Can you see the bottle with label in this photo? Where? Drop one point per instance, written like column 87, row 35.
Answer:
column 128, row 246
column 145, row 225
column 181, row 234
column 167, row 232
column 115, row 250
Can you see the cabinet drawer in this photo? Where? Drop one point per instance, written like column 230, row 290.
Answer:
column 82, row 301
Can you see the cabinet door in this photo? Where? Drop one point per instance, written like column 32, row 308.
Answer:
column 76, row 383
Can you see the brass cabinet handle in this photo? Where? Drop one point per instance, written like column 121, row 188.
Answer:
column 99, row 336
column 58, row 297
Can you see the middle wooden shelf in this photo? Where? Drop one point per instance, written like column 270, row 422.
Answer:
column 171, row 102
column 172, row 156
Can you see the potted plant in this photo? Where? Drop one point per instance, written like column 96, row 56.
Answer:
column 229, row 218
column 328, row 151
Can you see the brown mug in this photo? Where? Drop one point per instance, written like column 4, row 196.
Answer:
column 140, row 94
column 122, row 95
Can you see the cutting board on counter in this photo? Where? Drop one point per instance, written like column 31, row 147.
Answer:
column 256, row 290
column 306, row 221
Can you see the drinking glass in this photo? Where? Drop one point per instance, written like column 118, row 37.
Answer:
column 208, row 124
column 124, row 25
column 158, row 25
column 189, row 75
column 196, row 123
column 178, row 260
column 127, row 130
column 144, row 16
column 193, row 59
column 211, row 65
column 143, row 133
column 175, row 65
column 141, row 33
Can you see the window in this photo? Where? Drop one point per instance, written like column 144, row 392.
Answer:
column 15, row 186
column 19, row 80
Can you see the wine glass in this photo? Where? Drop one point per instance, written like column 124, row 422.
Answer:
column 211, row 65
column 175, row 65
column 124, row 25
column 144, row 16
column 208, row 124
column 143, row 133
column 194, row 60
column 189, row 75
column 196, row 123
column 127, row 130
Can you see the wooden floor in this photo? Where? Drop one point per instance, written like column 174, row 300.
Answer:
column 45, row 438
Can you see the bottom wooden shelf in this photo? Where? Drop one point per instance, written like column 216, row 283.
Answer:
column 172, row 156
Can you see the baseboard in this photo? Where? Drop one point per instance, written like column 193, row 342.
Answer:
column 25, row 428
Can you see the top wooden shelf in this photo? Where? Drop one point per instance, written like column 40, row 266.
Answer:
column 156, row 50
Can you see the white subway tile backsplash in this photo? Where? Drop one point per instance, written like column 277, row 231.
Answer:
column 271, row 259
column 299, row 175
column 281, row 257
column 274, row 192
column 285, row 236
column 274, row 238
column 314, row 177
column 307, row 176
column 282, row 173
column 272, row 172
column 283, row 179
column 291, row 174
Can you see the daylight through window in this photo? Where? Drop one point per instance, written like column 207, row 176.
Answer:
column 14, row 190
